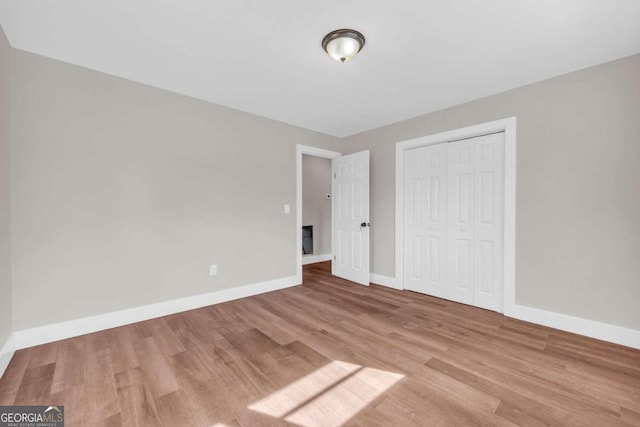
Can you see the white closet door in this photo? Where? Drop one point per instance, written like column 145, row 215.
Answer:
column 460, row 157
column 475, row 232
column 425, row 195
column 454, row 220
column 489, row 221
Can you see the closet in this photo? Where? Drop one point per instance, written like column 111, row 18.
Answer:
column 454, row 220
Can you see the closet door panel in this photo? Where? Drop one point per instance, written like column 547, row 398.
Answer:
column 489, row 221
column 425, row 221
column 460, row 254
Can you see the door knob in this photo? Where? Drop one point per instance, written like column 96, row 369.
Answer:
column 365, row 224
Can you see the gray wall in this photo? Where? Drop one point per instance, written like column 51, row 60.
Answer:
column 5, row 193
column 578, row 188
column 123, row 194
column 316, row 210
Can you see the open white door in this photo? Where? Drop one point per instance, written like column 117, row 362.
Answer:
column 351, row 217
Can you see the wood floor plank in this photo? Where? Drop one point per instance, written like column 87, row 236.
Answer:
column 177, row 409
column 514, row 406
column 137, row 406
column 35, row 385
column 156, row 369
column 207, row 391
column 123, row 355
column 102, row 404
column 256, row 316
column 12, row 378
column 632, row 417
column 417, row 361
column 70, row 365
column 43, row 354
column 594, row 412
column 165, row 338
column 98, row 366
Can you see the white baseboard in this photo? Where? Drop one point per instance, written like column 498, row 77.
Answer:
column 564, row 322
column 312, row 259
column 7, row 353
column 389, row 282
column 577, row 325
column 73, row 328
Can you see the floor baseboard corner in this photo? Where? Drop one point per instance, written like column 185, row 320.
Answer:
column 8, row 349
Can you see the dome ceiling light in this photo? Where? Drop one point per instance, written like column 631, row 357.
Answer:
column 343, row 45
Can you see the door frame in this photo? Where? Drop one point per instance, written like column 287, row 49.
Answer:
column 508, row 126
column 310, row 151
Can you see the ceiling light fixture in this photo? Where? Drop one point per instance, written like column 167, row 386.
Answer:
column 343, row 45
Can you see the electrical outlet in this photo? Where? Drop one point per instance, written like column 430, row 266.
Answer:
column 287, row 209
column 213, row 270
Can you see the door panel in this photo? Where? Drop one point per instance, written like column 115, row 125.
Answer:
column 460, row 155
column 351, row 209
column 489, row 223
column 425, row 220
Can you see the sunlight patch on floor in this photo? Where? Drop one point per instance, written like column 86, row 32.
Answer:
column 297, row 393
column 329, row 396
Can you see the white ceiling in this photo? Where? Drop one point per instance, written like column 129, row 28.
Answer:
column 264, row 57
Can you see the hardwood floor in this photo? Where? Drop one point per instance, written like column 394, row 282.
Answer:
column 331, row 352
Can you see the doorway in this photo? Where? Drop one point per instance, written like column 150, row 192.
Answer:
column 349, row 213
column 316, row 209
column 304, row 151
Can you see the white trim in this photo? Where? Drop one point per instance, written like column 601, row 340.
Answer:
column 509, row 128
column 311, row 151
column 577, row 325
column 73, row 328
column 6, row 353
column 389, row 282
column 312, row 259
column 68, row 329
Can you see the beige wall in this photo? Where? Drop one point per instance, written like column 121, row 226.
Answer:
column 578, row 188
column 5, row 194
column 124, row 193
column 316, row 209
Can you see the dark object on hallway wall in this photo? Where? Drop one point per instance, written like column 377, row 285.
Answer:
column 307, row 239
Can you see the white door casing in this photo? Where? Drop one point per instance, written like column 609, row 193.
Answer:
column 350, row 210
column 425, row 219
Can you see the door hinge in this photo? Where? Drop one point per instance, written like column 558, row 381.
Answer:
column 334, row 176
column 334, row 257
